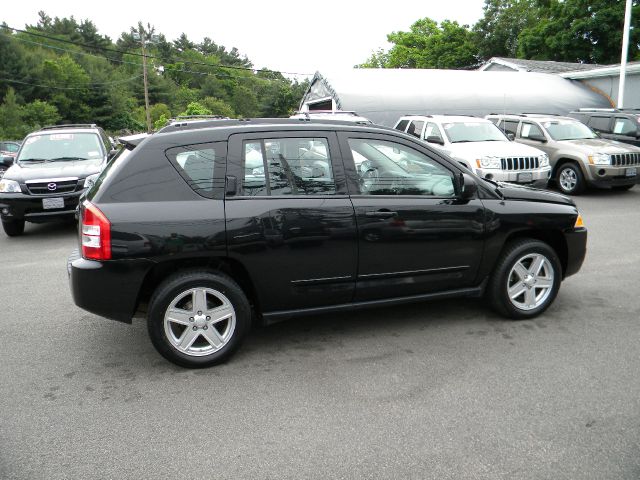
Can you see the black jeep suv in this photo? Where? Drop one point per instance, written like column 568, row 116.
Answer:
column 616, row 124
column 54, row 166
column 203, row 224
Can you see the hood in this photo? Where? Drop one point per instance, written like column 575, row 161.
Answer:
column 33, row 171
column 474, row 150
column 601, row 145
column 511, row 191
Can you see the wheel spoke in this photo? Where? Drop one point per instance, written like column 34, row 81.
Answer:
column 199, row 300
column 213, row 337
column 521, row 270
column 220, row 313
column 542, row 282
column 536, row 265
column 188, row 337
column 176, row 315
column 530, row 297
column 516, row 291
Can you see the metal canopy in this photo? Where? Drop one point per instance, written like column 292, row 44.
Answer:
column 384, row 95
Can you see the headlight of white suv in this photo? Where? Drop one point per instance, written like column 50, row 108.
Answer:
column 9, row 186
column 600, row 159
column 544, row 160
column 90, row 180
column 489, row 162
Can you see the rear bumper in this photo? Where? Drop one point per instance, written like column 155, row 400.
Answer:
column 576, row 250
column 109, row 289
column 18, row 206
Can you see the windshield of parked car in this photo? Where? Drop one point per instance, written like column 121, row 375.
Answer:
column 54, row 147
column 568, row 130
column 460, row 132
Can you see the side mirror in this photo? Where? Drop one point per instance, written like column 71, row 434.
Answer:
column 537, row 138
column 468, row 186
column 511, row 136
column 435, row 139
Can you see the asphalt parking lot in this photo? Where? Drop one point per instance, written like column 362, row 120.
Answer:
column 443, row 390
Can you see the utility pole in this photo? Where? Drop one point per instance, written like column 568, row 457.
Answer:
column 145, row 36
column 625, row 50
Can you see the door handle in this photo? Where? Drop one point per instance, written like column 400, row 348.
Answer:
column 382, row 214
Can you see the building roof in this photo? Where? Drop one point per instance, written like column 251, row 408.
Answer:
column 539, row 66
column 602, row 71
column 384, row 95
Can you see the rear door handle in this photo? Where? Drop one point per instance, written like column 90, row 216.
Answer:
column 381, row 214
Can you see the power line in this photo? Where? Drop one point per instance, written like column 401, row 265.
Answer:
column 96, row 47
column 93, row 85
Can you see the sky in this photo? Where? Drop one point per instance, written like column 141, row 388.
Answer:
column 292, row 36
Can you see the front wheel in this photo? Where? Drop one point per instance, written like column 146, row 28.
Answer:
column 13, row 228
column 198, row 319
column 570, row 179
column 526, row 279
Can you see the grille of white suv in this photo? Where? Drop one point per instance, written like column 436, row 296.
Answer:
column 519, row 163
column 623, row 159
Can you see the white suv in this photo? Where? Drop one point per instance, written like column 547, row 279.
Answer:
column 480, row 146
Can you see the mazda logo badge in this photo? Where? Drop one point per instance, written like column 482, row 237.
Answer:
column 52, row 187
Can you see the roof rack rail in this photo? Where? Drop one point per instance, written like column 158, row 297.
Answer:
column 199, row 117
column 326, row 112
column 510, row 113
column 70, row 125
column 598, row 109
column 542, row 114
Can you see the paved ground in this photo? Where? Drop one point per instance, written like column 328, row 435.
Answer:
column 445, row 390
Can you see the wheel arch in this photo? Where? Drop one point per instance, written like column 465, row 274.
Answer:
column 230, row 267
column 564, row 160
column 554, row 238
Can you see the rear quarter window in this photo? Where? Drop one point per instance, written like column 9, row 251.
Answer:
column 200, row 165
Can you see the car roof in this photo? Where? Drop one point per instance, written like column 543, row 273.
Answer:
column 219, row 130
column 445, row 118
column 540, row 117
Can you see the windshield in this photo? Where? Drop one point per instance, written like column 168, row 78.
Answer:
column 460, row 132
column 568, row 130
column 52, row 147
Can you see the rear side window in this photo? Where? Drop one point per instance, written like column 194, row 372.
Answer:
column 531, row 130
column 415, row 128
column 624, row 126
column 287, row 166
column 509, row 126
column 600, row 124
column 197, row 165
column 402, row 126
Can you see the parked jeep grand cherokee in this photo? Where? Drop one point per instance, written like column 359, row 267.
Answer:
column 54, row 166
column 481, row 147
column 202, row 224
column 579, row 158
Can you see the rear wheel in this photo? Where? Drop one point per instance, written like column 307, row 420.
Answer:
column 570, row 179
column 13, row 228
column 198, row 319
column 526, row 279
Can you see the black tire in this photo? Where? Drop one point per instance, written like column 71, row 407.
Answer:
column 498, row 288
column 13, row 228
column 574, row 172
column 622, row 188
column 179, row 284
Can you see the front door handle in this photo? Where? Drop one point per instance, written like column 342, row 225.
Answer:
column 382, row 214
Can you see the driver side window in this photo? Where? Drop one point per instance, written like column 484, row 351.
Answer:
column 388, row 168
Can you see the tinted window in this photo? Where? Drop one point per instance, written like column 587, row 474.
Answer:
column 432, row 130
column 624, row 126
column 600, row 124
column 287, row 166
column 196, row 164
column 530, row 130
column 509, row 126
column 386, row 168
column 415, row 128
column 402, row 125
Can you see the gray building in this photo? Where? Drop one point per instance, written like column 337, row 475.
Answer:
column 384, row 95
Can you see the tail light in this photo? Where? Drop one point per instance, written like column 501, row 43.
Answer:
column 96, row 233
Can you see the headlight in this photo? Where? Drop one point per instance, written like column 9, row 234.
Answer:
column 600, row 159
column 9, row 186
column 489, row 162
column 544, row 160
column 90, row 180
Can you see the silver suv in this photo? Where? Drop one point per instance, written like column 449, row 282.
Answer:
column 477, row 144
column 578, row 156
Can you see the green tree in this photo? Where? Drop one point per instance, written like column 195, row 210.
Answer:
column 497, row 32
column 196, row 108
column 38, row 114
column 218, row 107
column 11, row 114
column 588, row 31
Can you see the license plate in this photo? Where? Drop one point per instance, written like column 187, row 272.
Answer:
column 631, row 172
column 525, row 177
column 49, row 203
